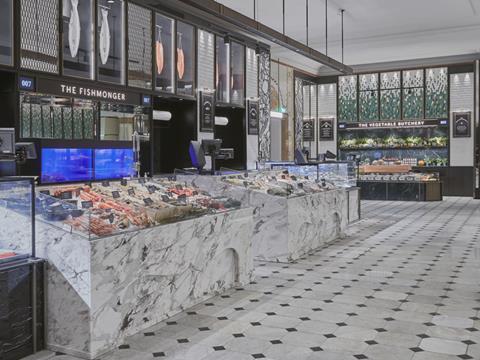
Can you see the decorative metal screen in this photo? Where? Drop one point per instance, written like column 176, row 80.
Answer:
column 368, row 100
column 39, row 39
column 390, row 96
column 252, row 74
column 436, row 93
column 413, row 94
column 139, row 46
column 206, row 60
column 6, row 32
column 48, row 117
column 347, row 98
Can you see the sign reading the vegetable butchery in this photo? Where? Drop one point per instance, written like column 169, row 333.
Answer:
column 393, row 124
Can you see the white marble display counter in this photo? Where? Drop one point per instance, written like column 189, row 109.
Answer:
column 102, row 290
column 285, row 229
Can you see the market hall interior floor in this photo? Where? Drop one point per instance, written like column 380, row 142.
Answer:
column 402, row 285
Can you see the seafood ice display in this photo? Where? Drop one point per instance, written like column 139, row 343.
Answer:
column 279, row 183
column 103, row 209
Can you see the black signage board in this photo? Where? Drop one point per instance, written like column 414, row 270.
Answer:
column 462, row 124
column 393, row 124
column 308, row 130
column 87, row 91
column 105, row 183
column 123, row 182
column 207, row 111
column 148, row 201
column 253, row 117
column 326, row 129
column 66, row 195
column 131, row 192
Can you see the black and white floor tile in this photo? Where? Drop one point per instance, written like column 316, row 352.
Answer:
column 403, row 285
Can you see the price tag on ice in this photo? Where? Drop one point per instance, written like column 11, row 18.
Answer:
column 87, row 204
column 123, row 182
column 66, row 195
column 131, row 192
column 115, row 194
column 182, row 198
column 165, row 198
column 45, row 192
column 151, row 189
column 141, row 180
column 106, row 183
column 148, row 201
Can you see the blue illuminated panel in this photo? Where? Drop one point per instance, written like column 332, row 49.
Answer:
column 65, row 165
column 113, row 163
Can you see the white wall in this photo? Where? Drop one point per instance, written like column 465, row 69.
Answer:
column 461, row 99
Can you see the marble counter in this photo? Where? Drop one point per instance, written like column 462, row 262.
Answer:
column 285, row 229
column 102, row 290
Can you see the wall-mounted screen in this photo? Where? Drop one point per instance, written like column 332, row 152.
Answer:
column 64, row 165
column 113, row 163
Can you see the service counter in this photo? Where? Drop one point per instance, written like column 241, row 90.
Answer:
column 104, row 288
column 288, row 227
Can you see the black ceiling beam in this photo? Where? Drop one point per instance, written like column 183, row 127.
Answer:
column 223, row 13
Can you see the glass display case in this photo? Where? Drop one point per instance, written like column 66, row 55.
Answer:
column 340, row 174
column 17, row 207
column 422, row 146
column 111, row 41
column 164, row 53
column 109, row 208
column 280, row 183
column 78, row 38
column 185, row 59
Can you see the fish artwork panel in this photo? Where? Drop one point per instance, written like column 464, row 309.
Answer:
column 104, row 37
column 74, row 29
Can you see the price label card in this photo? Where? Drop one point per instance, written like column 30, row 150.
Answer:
column 141, row 180
column 182, row 198
column 115, row 194
column 87, row 204
column 165, row 198
column 106, row 183
column 179, row 187
column 148, row 201
column 111, row 218
column 151, row 189
column 45, row 192
column 66, row 195
column 131, row 192
column 123, row 182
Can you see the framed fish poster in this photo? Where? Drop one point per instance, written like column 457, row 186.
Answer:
column 326, row 129
column 462, row 124
column 252, row 117
column 309, row 130
column 207, row 111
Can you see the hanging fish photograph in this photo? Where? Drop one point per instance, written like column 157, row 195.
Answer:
column 74, row 29
column 104, row 37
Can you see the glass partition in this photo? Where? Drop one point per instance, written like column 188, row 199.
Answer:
column 116, row 122
column 139, row 46
column 164, row 50
column 6, row 32
column 185, row 58
column 238, row 73
column 111, row 41
column 78, row 38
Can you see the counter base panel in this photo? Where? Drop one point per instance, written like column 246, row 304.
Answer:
column 401, row 191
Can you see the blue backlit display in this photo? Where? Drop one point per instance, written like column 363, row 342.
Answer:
column 64, row 165
column 113, row 163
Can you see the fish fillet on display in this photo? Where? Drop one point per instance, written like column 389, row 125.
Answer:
column 180, row 59
column 159, row 52
column 104, row 37
column 74, row 29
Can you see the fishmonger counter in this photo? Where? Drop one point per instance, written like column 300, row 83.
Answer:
column 124, row 256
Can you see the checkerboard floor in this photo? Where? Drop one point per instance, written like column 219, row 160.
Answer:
column 403, row 284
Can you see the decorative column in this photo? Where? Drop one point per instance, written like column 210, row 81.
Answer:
column 298, row 114
column 264, row 140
